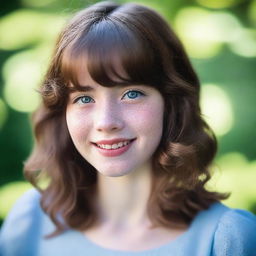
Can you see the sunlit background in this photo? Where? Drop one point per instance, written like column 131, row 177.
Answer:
column 220, row 38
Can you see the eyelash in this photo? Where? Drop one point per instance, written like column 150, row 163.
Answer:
column 92, row 100
column 80, row 99
column 136, row 91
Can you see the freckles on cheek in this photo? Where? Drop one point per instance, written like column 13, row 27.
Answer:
column 149, row 118
column 77, row 126
column 144, row 117
column 151, row 112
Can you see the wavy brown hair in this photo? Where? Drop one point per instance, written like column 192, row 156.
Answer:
column 138, row 40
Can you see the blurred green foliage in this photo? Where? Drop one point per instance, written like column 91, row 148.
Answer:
column 220, row 38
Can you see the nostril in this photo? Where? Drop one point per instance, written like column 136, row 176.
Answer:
column 109, row 125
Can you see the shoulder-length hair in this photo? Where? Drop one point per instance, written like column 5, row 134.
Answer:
column 138, row 40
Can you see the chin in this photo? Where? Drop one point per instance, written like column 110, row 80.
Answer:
column 114, row 172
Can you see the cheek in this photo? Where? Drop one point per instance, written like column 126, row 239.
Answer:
column 148, row 120
column 78, row 126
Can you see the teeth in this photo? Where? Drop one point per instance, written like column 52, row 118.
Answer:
column 114, row 146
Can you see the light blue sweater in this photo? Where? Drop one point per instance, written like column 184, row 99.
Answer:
column 218, row 231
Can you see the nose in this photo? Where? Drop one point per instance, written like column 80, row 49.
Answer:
column 108, row 118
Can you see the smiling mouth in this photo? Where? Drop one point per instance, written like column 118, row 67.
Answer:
column 114, row 146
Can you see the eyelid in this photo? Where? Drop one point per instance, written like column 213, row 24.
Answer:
column 134, row 89
column 73, row 96
column 75, row 93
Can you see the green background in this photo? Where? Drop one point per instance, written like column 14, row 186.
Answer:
column 220, row 38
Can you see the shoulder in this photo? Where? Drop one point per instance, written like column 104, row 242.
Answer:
column 235, row 234
column 21, row 224
column 27, row 204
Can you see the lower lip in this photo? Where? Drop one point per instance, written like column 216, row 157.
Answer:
column 113, row 152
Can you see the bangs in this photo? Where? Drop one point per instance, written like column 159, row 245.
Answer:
column 114, row 53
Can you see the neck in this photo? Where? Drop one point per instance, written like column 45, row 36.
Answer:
column 122, row 201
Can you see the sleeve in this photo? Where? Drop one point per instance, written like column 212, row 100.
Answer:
column 20, row 228
column 235, row 234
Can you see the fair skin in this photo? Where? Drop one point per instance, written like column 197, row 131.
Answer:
column 117, row 130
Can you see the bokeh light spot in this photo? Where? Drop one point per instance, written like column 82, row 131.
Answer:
column 22, row 75
column 218, row 3
column 237, row 175
column 23, row 28
column 9, row 194
column 252, row 11
column 245, row 44
column 198, row 32
column 216, row 109
column 227, row 26
column 36, row 3
column 204, row 32
column 3, row 113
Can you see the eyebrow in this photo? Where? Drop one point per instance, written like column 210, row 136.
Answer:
column 80, row 88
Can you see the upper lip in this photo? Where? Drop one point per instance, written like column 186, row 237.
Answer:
column 113, row 141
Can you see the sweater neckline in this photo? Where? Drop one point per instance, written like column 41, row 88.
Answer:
column 96, row 247
column 173, row 245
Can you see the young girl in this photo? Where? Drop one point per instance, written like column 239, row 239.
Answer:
column 125, row 152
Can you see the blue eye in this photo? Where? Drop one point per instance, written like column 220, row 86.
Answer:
column 133, row 94
column 84, row 100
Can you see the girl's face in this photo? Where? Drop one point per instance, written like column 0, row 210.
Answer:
column 115, row 129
